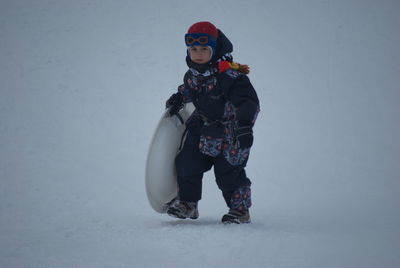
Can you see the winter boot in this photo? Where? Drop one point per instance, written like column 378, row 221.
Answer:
column 236, row 216
column 183, row 210
column 169, row 204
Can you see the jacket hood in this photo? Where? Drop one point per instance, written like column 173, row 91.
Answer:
column 224, row 46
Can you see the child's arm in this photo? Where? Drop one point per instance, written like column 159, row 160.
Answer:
column 244, row 97
column 177, row 100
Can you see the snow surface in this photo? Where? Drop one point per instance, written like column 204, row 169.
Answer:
column 83, row 84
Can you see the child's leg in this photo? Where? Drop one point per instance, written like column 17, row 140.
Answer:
column 190, row 166
column 235, row 187
column 234, row 184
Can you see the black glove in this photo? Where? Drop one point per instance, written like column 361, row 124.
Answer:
column 174, row 103
column 244, row 136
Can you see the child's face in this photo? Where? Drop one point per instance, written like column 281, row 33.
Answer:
column 200, row 54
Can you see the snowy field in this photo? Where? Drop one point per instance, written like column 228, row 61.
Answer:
column 83, row 84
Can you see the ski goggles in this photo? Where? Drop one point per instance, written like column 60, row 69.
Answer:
column 199, row 40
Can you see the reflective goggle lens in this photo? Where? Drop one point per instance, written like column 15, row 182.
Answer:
column 202, row 40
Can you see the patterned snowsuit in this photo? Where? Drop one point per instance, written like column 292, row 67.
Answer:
column 222, row 101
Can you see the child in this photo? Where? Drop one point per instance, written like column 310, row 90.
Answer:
column 219, row 132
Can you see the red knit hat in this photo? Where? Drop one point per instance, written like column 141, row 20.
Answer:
column 203, row 27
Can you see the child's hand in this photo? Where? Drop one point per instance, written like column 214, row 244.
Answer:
column 174, row 103
column 244, row 136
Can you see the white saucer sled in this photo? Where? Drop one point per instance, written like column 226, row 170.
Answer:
column 160, row 177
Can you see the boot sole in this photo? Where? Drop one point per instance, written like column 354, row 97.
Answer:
column 174, row 213
column 229, row 219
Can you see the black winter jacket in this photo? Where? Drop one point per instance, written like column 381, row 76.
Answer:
column 223, row 101
column 211, row 94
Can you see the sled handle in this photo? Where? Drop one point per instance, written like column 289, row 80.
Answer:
column 177, row 115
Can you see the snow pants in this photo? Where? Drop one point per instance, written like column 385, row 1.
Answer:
column 191, row 164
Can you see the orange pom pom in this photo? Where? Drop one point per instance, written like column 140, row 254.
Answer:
column 243, row 68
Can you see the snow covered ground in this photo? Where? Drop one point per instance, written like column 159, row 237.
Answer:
column 83, row 83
